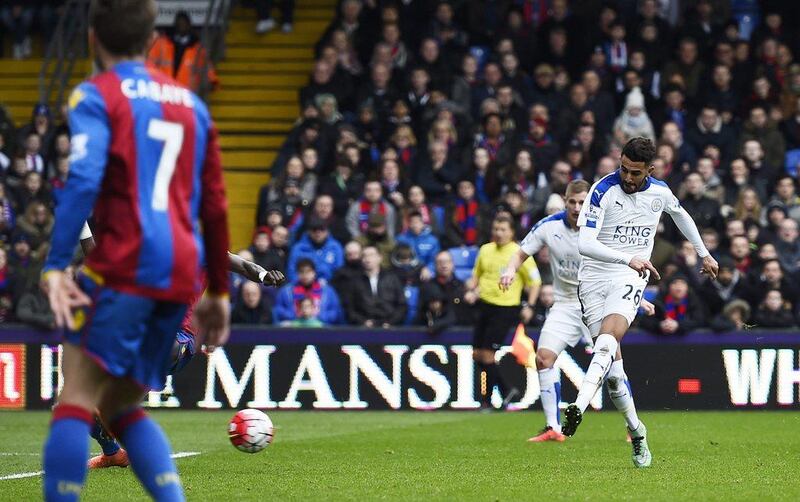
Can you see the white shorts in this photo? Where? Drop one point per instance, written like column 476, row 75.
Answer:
column 563, row 327
column 599, row 299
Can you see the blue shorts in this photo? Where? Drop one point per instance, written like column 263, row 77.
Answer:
column 129, row 336
column 183, row 352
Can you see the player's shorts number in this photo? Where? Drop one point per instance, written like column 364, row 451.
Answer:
column 637, row 297
column 171, row 133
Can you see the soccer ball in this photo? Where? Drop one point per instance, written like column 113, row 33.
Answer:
column 250, row 430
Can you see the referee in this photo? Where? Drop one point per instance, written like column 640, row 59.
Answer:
column 499, row 311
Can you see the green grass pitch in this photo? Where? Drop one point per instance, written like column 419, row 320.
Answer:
column 449, row 456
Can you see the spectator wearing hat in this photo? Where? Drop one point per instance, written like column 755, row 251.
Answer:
column 730, row 285
column 371, row 202
column 250, row 307
column 288, row 303
column 775, row 311
column 41, row 124
column 405, row 264
column 633, row 121
column 678, row 309
column 320, row 247
column 435, row 313
column 377, row 235
column 377, row 297
column 23, row 267
column 734, row 317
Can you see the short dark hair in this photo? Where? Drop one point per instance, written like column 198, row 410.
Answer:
column 504, row 218
column 305, row 262
column 414, row 214
column 123, row 27
column 640, row 150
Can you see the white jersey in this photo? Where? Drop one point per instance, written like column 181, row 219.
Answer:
column 627, row 222
column 562, row 241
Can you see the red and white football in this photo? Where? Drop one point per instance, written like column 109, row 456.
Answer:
column 250, row 430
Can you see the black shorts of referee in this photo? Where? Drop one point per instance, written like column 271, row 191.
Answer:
column 493, row 325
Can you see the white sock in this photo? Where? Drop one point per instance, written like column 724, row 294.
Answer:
column 605, row 347
column 550, row 386
column 620, row 392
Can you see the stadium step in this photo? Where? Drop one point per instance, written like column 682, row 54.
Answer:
column 257, row 102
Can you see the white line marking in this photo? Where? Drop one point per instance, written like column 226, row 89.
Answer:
column 7, row 454
column 22, row 475
column 180, row 454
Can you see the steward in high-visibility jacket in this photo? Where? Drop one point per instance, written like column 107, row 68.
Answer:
column 182, row 62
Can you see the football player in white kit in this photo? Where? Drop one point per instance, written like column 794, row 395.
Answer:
column 564, row 325
column 617, row 229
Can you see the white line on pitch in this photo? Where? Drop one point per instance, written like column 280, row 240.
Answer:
column 180, row 454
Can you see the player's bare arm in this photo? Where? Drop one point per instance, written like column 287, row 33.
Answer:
column 511, row 271
column 254, row 271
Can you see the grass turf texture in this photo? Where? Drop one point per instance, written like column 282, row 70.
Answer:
column 449, row 455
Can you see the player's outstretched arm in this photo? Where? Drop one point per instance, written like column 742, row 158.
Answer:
column 686, row 225
column 254, row 271
column 510, row 272
column 590, row 246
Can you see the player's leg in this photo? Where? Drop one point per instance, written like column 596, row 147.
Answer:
column 619, row 390
column 147, row 446
column 550, row 393
column 112, row 454
column 67, row 445
column 612, row 330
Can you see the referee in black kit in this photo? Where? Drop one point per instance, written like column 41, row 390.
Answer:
column 499, row 311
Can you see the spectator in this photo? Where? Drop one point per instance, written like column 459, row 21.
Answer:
column 417, row 204
column 786, row 192
column 435, row 314
column 394, row 182
column 33, row 153
column 7, row 215
column 41, row 124
column 753, row 154
column 33, row 190
column 405, row 265
column 445, row 282
column 688, row 66
column 377, row 297
column 372, row 202
column 308, row 316
column 485, row 176
column 740, row 252
column 343, row 185
column 345, row 276
column 420, row 237
column 559, row 177
column 686, row 154
column 748, row 207
column 294, row 174
column 34, row 309
column 261, row 249
column 265, row 21
column 437, row 174
column 730, row 285
column 347, row 20
column 713, row 182
column 710, row 129
column 774, row 312
column 734, row 317
column 24, row 268
column 37, row 225
column 250, row 308
column 678, row 310
column 321, row 82
column 17, row 18
column 323, row 210
column 182, row 56
column 464, row 219
column 5, row 161
column 543, row 304
column 788, row 245
column 704, row 210
column 317, row 245
column 60, row 173
column 288, row 304
column 6, row 296
column 772, row 276
column 760, row 128
column 379, row 91
column 739, row 178
column 377, row 235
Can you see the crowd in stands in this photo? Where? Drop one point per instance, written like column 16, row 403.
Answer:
column 421, row 121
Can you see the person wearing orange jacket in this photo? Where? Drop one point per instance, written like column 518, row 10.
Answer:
column 181, row 55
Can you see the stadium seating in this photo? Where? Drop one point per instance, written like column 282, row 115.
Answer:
column 463, row 261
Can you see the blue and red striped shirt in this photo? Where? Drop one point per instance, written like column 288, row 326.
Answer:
column 145, row 158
